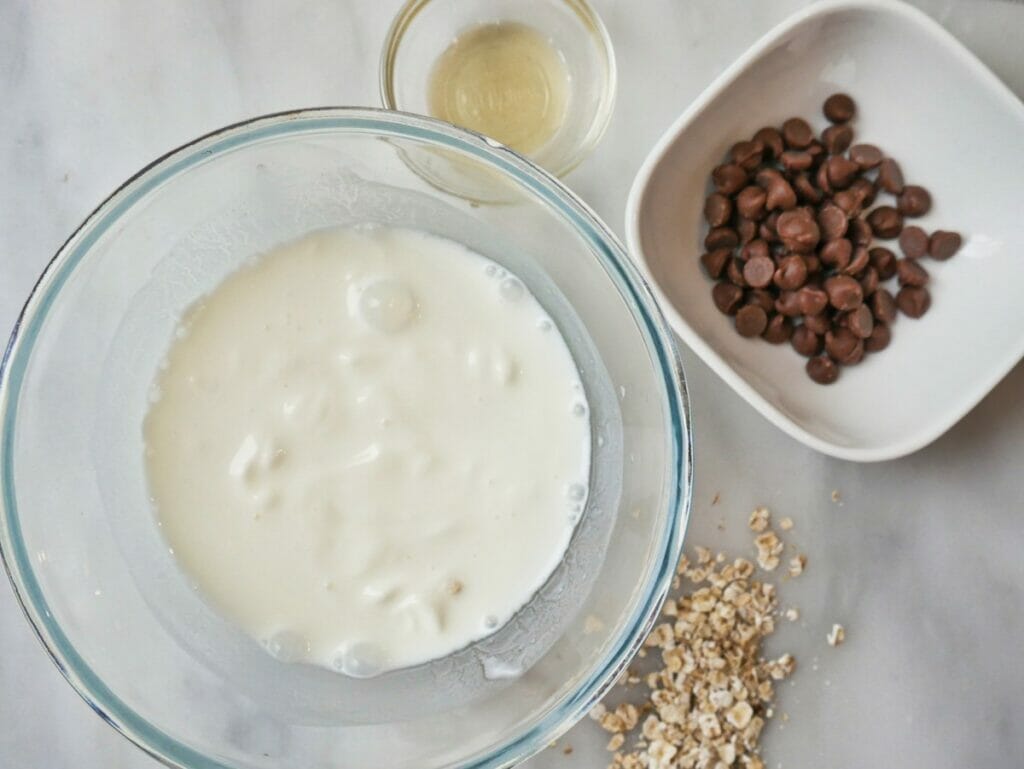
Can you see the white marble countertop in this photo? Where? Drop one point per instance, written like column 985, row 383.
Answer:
column 923, row 559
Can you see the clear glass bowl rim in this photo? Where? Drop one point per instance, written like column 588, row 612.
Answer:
column 587, row 16
column 631, row 285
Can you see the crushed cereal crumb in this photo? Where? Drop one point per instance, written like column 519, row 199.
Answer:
column 567, row 750
column 835, row 495
column 797, row 564
column 792, row 614
column 786, row 523
column 759, row 519
column 837, row 635
column 769, row 548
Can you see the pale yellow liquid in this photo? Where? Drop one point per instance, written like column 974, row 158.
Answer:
column 504, row 80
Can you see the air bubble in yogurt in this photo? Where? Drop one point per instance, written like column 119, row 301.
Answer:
column 287, row 646
column 579, row 410
column 360, row 660
column 577, row 491
column 387, row 305
column 511, row 289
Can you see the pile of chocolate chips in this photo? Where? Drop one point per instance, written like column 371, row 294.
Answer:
column 790, row 241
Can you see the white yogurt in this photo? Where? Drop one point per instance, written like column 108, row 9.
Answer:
column 369, row 448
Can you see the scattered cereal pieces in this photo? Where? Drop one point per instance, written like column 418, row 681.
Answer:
column 769, row 548
column 454, row 587
column 710, row 699
column 567, row 750
column 792, row 614
column 835, row 495
column 759, row 519
column 797, row 564
column 718, row 496
column 837, row 635
column 786, row 523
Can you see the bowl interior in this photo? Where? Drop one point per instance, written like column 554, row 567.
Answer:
column 965, row 147
column 97, row 579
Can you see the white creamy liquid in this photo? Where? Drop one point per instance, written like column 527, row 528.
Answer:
column 368, row 448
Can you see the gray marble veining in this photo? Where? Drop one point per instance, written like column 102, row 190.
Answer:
column 921, row 558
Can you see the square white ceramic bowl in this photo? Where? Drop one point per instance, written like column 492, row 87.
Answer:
column 953, row 127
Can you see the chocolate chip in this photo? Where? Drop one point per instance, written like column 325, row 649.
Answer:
column 729, row 178
column 883, row 260
column 758, row 272
column 727, row 297
column 837, row 139
column 821, row 179
column 914, row 201
column 879, row 339
column 746, row 229
column 883, row 306
column 757, row 247
column 843, row 346
column 766, row 230
column 714, row 261
column 721, row 237
column 798, row 230
column 779, row 329
column 859, row 232
column 832, row 221
column 822, row 370
column 806, row 190
column 717, row 209
column 816, row 150
column 751, row 320
column 844, row 293
column 913, row 301
column 763, row 299
column 771, row 140
column 911, row 273
column 805, row 341
column 869, row 281
column 858, row 263
column 837, row 253
column 734, row 272
column 841, row 172
column 812, row 299
column 796, row 160
column 849, row 202
column 796, row 133
column 914, row 242
column 751, row 202
column 791, row 273
column 788, row 304
column 861, row 322
column 890, row 177
column 943, row 244
column 886, row 222
column 747, row 155
column 819, row 323
column 866, row 155
column 864, row 190
column 780, row 195
column 839, row 108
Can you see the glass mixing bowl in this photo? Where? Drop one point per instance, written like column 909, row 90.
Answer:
column 78, row 535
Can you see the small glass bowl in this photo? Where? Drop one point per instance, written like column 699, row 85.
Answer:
column 424, row 29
